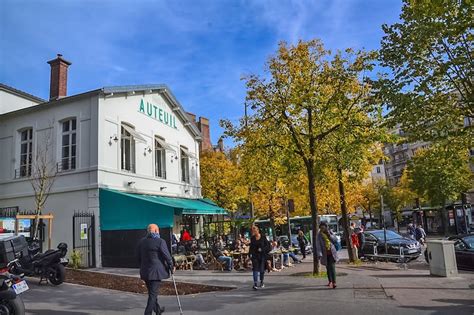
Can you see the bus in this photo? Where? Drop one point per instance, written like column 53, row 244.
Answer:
column 299, row 223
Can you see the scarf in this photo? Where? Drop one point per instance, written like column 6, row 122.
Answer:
column 154, row 235
column 327, row 242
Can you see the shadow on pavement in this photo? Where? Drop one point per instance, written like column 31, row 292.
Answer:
column 457, row 307
column 51, row 312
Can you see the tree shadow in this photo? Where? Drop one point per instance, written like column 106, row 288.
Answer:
column 461, row 307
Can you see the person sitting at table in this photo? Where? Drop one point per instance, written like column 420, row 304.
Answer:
column 245, row 241
column 201, row 264
column 238, row 246
column 274, row 248
column 221, row 256
column 286, row 246
column 220, row 243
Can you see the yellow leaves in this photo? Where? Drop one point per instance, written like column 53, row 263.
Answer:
column 221, row 180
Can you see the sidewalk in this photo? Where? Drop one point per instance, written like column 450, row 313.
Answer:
column 380, row 288
column 373, row 284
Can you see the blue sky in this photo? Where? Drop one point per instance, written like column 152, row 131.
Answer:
column 201, row 49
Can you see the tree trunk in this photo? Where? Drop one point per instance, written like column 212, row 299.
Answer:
column 345, row 221
column 272, row 225
column 314, row 214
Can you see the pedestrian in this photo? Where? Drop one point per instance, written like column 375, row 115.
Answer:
column 411, row 231
column 302, row 242
column 361, row 236
column 259, row 248
column 327, row 253
column 156, row 264
column 420, row 234
column 355, row 243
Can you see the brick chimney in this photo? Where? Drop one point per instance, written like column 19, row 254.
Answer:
column 58, row 83
column 203, row 126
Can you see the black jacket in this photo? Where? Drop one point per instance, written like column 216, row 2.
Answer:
column 154, row 259
column 259, row 248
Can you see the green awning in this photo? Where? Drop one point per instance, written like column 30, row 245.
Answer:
column 190, row 206
column 122, row 211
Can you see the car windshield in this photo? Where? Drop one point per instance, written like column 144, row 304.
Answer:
column 390, row 235
column 469, row 241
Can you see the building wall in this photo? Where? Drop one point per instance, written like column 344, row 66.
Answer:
column 10, row 101
column 115, row 110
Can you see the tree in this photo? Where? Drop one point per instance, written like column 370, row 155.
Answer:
column 399, row 197
column 440, row 173
column 430, row 90
column 221, row 180
column 308, row 95
column 43, row 176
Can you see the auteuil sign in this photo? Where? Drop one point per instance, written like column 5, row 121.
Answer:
column 157, row 113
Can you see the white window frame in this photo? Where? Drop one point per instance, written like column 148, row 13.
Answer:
column 68, row 162
column 160, row 158
column 127, row 138
column 26, row 168
column 184, row 165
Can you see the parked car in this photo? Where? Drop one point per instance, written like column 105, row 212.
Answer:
column 396, row 245
column 464, row 251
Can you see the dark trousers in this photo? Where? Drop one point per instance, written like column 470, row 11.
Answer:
column 258, row 268
column 331, row 269
column 303, row 250
column 152, row 305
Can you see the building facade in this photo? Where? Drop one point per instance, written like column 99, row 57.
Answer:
column 129, row 155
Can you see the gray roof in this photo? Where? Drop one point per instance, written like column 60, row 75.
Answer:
column 163, row 89
column 21, row 93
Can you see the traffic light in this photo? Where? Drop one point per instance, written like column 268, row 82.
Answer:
column 291, row 205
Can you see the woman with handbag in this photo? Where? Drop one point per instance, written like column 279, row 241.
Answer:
column 259, row 248
column 327, row 253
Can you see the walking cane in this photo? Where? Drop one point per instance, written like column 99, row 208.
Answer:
column 177, row 294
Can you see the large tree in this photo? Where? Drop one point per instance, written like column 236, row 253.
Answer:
column 439, row 174
column 308, row 94
column 430, row 55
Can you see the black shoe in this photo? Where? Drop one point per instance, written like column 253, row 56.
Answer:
column 255, row 287
column 160, row 310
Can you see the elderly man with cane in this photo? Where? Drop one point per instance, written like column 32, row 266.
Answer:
column 155, row 265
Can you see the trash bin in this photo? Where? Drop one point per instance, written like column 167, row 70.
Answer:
column 442, row 258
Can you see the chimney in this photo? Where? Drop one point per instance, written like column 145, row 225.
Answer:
column 58, row 84
column 220, row 145
column 203, row 126
column 192, row 117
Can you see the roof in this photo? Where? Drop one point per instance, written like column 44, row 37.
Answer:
column 163, row 89
column 21, row 93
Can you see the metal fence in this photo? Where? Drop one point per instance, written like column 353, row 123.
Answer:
column 83, row 241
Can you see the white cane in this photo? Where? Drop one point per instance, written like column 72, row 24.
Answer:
column 177, row 295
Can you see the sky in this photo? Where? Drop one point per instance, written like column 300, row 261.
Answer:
column 200, row 49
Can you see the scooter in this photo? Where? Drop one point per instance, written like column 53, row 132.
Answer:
column 11, row 286
column 50, row 265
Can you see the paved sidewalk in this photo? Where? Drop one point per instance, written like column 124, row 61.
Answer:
column 367, row 289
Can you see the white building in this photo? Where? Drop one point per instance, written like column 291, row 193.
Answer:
column 128, row 155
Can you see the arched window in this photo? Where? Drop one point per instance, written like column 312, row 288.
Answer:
column 160, row 158
column 184, row 165
column 127, row 148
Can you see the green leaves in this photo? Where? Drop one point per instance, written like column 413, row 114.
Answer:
column 430, row 55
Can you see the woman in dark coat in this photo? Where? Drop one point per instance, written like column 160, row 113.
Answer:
column 259, row 248
column 302, row 242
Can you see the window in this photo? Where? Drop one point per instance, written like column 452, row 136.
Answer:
column 160, row 158
column 127, row 148
column 184, row 165
column 26, row 152
column 378, row 169
column 68, row 146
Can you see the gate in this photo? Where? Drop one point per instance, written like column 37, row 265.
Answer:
column 83, row 237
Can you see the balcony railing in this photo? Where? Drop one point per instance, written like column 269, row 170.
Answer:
column 24, row 171
column 161, row 174
column 130, row 168
column 66, row 166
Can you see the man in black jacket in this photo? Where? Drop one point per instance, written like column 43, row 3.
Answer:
column 155, row 265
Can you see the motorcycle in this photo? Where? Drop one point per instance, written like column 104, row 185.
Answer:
column 49, row 266
column 11, row 286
